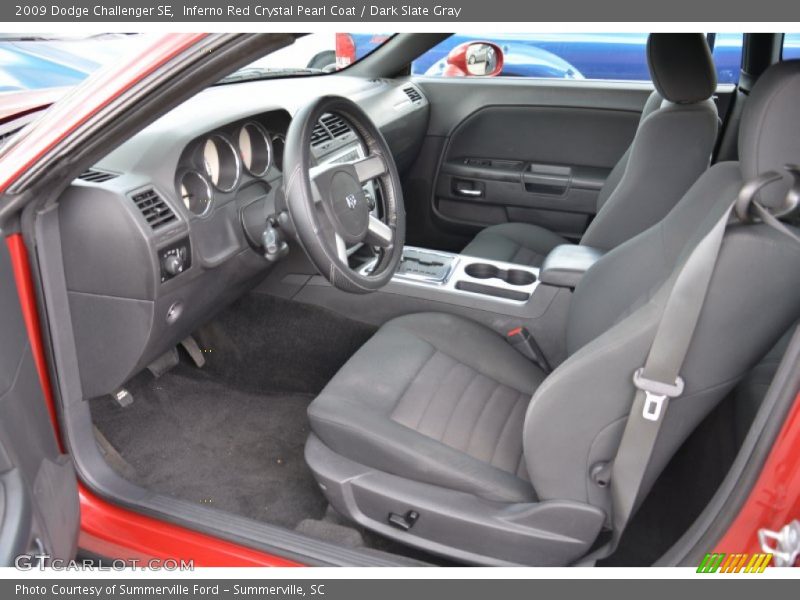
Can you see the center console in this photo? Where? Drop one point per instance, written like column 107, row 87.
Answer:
column 446, row 274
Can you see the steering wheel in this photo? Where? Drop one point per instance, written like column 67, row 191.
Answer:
column 328, row 208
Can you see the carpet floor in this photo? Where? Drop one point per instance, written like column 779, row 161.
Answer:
column 231, row 435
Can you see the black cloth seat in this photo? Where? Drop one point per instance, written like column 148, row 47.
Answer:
column 447, row 409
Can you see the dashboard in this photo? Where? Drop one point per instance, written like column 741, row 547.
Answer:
column 167, row 229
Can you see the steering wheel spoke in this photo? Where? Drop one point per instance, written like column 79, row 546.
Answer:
column 341, row 249
column 330, row 235
column 370, row 168
column 379, row 233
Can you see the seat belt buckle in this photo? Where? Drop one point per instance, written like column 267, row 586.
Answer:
column 522, row 340
column 655, row 394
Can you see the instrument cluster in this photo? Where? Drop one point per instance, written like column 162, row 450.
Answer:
column 220, row 162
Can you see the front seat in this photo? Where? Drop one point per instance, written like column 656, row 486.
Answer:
column 671, row 149
column 429, row 435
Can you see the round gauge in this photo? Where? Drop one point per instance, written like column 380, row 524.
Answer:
column 255, row 148
column 221, row 163
column 278, row 144
column 195, row 192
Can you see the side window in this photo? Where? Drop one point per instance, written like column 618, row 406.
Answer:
column 554, row 56
column 727, row 56
column 791, row 46
column 603, row 56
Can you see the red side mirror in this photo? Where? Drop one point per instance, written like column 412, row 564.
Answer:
column 475, row 59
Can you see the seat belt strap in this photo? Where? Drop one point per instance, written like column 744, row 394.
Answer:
column 659, row 379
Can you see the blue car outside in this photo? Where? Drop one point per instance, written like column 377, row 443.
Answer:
column 572, row 56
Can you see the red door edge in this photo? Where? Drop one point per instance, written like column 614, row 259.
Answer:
column 27, row 302
column 774, row 501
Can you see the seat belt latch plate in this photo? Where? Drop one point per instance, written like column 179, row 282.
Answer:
column 656, row 394
column 652, row 406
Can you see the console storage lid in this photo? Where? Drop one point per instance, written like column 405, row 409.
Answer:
column 565, row 265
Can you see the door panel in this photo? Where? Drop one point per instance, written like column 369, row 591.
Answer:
column 519, row 150
column 544, row 165
column 39, row 511
column 532, row 151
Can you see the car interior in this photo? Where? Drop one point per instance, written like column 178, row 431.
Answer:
column 365, row 317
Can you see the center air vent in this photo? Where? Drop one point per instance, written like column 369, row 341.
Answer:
column 336, row 125
column 328, row 128
column 96, row 176
column 155, row 211
column 413, row 93
column 320, row 135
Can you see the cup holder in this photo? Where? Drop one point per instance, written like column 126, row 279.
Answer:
column 481, row 270
column 519, row 277
column 510, row 276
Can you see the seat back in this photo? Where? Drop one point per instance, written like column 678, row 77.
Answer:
column 754, row 296
column 672, row 146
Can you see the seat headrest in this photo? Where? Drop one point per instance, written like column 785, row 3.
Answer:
column 769, row 134
column 681, row 66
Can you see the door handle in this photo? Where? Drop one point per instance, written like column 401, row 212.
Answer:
column 469, row 193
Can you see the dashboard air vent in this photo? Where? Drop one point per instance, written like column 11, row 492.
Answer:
column 320, row 135
column 336, row 125
column 413, row 93
column 155, row 211
column 96, row 176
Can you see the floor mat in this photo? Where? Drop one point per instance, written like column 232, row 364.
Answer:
column 192, row 438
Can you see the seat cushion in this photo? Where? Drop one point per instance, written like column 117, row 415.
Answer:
column 435, row 398
column 518, row 243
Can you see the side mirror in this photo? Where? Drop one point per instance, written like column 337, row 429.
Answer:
column 477, row 59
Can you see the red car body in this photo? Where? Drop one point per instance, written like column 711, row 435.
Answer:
column 113, row 531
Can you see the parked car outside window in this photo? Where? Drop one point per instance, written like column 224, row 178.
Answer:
column 605, row 56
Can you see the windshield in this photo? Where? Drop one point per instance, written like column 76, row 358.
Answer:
column 319, row 52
